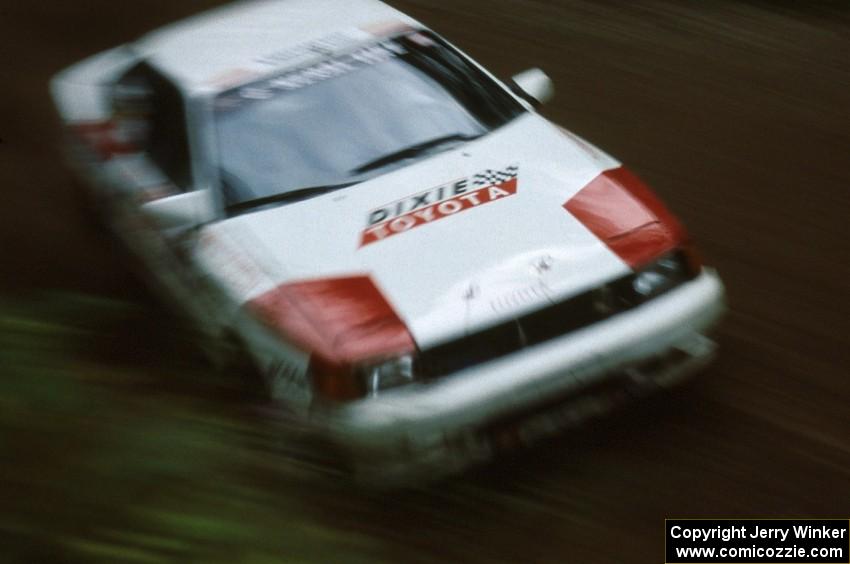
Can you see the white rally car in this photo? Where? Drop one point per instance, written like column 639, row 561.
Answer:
column 422, row 268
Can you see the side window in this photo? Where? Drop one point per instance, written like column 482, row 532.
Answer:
column 149, row 113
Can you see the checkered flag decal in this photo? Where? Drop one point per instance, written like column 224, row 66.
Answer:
column 494, row 177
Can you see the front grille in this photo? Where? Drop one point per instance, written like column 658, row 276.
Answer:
column 539, row 326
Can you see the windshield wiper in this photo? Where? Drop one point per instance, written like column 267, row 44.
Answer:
column 412, row 151
column 292, row 195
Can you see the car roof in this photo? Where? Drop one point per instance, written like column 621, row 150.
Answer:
column 232, row 44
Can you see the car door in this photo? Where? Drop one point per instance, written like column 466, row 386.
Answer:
column 149, row 191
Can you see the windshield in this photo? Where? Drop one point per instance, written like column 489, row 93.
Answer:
column 351, row 117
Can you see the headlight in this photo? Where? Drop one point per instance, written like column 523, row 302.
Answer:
column 388, row 374
column 665, row 273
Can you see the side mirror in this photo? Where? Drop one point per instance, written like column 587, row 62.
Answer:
column 534, row 85
column 183, row 210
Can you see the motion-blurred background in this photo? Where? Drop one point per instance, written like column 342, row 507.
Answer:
column 117, row 445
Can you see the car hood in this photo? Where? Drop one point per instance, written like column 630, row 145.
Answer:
column 504, row 246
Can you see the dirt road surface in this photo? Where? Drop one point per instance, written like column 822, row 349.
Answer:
column 738, row 114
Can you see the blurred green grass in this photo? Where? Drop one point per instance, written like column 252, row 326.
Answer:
column 119, row 444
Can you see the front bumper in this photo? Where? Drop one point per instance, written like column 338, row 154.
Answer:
column 449, row 423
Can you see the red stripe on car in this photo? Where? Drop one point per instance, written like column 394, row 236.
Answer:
column 341, row 321
column 623, row 212
column 103, row 138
